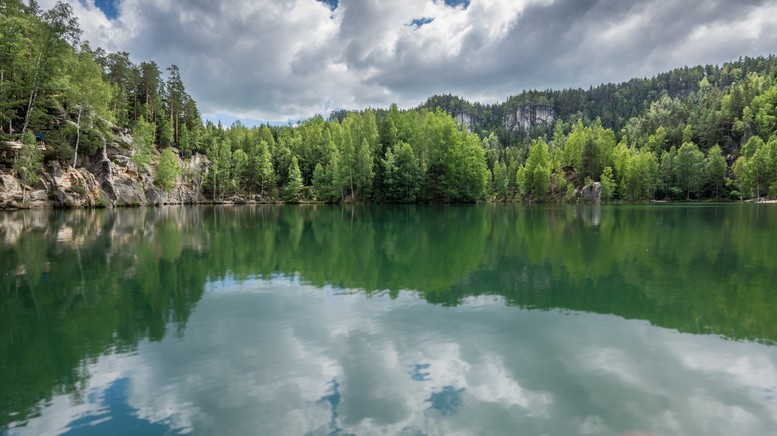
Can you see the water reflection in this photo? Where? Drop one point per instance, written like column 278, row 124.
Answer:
column 301, row 325
column 346, row 364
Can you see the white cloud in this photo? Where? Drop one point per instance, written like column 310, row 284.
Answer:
column 283, row 60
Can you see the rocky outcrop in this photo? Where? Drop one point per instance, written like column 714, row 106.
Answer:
column 15, row 195
column 529, row 115
column 104, row 180
column 73, row 187
column 591, row 193
column 187, row 189
column 465, row 120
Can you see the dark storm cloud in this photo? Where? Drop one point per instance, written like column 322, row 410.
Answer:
column 286, row 59
column 564, row 44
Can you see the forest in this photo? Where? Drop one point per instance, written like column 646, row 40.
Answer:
column 704, row 132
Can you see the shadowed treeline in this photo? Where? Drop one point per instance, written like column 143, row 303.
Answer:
column 79, row 284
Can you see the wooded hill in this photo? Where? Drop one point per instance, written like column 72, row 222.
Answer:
column 691, row 133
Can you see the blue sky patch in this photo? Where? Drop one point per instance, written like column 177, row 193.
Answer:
column 456, row 3
column 418, row 22
column 109, row 7
column 419, row 372
column 333, row 400
column 116, row 416
column 447, row 401
column 333, row 4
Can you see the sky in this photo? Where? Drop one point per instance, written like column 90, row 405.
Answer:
column 285, row 60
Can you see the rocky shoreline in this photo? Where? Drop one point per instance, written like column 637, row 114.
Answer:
column 103, row 180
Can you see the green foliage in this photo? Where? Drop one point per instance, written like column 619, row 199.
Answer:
column 88, row 94
column 452, row 161
column 29, row 163
column 167, row 170
column 534, row 176
column 608, row 184
column 143, row 144
column 402, row 174
column 261, row 169
column 293, row 188
column 689, row 168
column 184, row 142
column 638, row 171
column 667, row 170
column 166, row 134
column 321, row 182
column 756, row 169
column 240, row 170
column 500, row 184
column 715, row 168
column 327, row 180
column 75, row 95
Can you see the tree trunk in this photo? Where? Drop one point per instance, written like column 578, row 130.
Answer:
column 78, row 136
column 350, row 178
column 30, row 104
column 33, row 94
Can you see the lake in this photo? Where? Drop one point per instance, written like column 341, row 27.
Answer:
column 411, row 320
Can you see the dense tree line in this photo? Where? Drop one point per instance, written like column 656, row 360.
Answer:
column 701, row 132
column 406, row 156
column 616, row 104
column 693, row 133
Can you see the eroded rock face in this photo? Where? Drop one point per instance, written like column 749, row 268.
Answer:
column 123, row 186
column 591, row 193
column 14, row 195
column 465, row 120
column 38, row 199
column 529, row 115
column 187, row 188
column 106, row 179
column 10, row 192
column 75, row 187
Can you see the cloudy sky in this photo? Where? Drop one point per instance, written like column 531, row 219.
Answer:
column 280, row 60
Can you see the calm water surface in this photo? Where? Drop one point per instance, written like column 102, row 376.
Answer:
column 656, row 320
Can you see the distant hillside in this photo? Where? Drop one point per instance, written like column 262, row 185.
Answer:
column 617, row 104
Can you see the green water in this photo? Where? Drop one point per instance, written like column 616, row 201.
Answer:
column 390, row 320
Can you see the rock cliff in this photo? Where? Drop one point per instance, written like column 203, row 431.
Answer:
column 528, row 115
column 465, row 120
column 103, row 180
column 591, row 193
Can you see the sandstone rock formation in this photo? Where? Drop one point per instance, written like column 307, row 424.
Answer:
column 529, row 115
column 591, row 193
column 465, row 120
column 106, row 179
